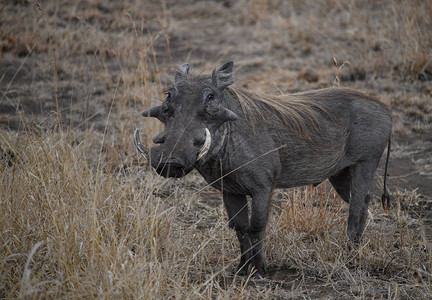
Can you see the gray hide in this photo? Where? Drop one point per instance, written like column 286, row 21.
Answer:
column 259, row 143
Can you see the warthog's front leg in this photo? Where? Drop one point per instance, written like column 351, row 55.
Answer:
column 258, row 223
column 237, row 208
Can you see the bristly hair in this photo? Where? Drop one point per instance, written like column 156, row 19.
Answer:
column 292, row 111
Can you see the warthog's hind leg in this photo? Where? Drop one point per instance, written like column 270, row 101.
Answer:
column 342, row 184
column 363, row 217
column 361, row 179
column 352, row 184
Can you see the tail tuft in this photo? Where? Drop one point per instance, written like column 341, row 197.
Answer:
column 385, row 201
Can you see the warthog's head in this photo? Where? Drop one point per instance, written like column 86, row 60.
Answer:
column 193, row 111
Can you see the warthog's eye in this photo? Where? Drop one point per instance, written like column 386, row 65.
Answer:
column 167, row 104
column 208, row 96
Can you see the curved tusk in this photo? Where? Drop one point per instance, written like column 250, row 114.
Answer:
column 141, row 148
column 206, row 147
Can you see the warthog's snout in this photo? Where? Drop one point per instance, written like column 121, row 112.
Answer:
column 171, row 168
column 172, row 165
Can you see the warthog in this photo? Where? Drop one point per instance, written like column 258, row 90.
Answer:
column 247, row 144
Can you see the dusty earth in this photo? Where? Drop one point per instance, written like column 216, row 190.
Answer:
column 75, row 63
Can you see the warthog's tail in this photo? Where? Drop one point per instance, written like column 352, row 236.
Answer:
column 385, row 197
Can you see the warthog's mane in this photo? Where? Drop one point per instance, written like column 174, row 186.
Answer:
column 288, row 111
column 294, row 112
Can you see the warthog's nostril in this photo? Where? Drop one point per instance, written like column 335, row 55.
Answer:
column 159, row 139
column 171, row 169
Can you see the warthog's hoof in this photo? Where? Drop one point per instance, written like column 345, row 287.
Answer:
column 242, row 272
column 256, row 276
column 239, row 272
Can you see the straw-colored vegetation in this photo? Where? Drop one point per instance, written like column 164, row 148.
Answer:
column 81, row 214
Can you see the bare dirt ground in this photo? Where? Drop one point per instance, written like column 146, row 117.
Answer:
column 95, row 65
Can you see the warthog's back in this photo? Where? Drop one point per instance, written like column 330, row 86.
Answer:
column 348, row 126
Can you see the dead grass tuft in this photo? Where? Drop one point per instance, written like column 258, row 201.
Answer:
column 411, row 22
column 312, row 211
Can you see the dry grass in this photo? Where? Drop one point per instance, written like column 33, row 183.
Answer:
column 75, row 227
column 411, row 22
column 81, row 216
column 312, row 211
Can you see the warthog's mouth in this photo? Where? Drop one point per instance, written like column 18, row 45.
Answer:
column 172, row 167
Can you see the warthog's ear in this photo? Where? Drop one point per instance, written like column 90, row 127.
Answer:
column 223, row 77
column 181, row 72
